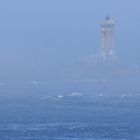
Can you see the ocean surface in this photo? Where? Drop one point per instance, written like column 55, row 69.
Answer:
column 71, row 116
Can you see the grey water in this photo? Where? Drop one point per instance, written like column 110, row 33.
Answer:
column 69, row 115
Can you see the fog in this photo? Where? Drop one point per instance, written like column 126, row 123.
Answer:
column 61, row 77
column 46, row 41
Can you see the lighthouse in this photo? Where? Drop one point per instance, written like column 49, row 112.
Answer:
column 107, row 38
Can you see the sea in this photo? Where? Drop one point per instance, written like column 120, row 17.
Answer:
column 69, row 115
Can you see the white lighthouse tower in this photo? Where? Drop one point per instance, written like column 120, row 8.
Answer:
column 107, row 39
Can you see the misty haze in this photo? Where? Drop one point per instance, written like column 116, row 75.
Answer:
column 69, row 70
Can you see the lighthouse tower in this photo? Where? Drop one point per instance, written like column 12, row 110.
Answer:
column 107, row 38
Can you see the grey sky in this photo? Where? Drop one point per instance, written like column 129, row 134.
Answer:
column 38, row 37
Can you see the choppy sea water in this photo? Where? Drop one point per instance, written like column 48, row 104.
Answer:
column 66, row 131
column 71, row 117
